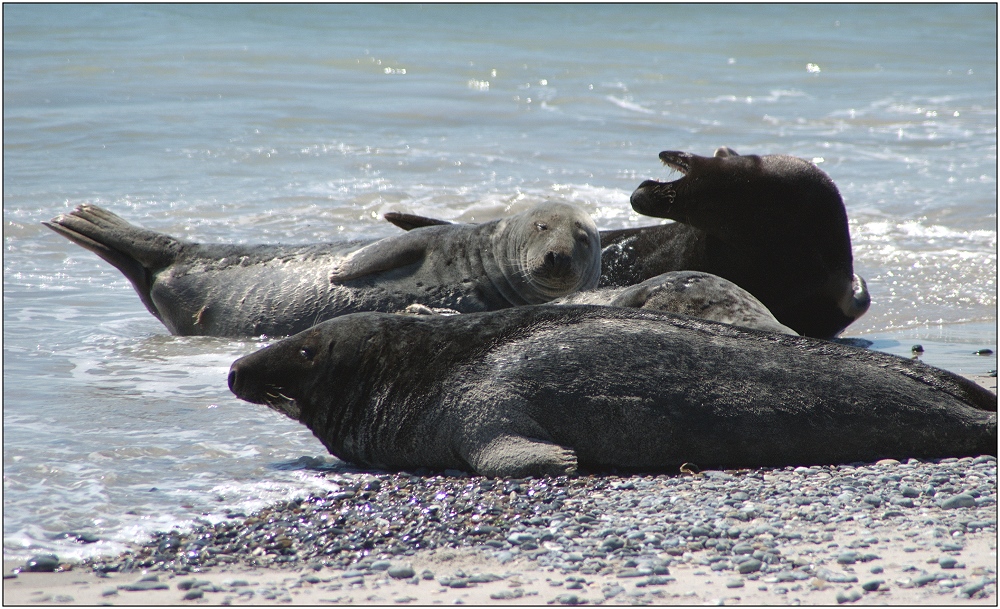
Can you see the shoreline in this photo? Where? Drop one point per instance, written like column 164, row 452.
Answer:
column 917, row 532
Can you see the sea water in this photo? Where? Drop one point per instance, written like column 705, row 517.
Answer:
column 297, row 124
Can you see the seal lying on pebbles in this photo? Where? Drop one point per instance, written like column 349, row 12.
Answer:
column 532, row 257
column 774, row 225
column 541, row 390
column 691, row 293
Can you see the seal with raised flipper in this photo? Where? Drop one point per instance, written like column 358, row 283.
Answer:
column 532, row 257
column 774, row 225
column 547, row 390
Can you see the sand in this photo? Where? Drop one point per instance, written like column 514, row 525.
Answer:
column 693, row 585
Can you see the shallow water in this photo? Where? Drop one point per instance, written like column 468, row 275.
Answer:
column 228, row 123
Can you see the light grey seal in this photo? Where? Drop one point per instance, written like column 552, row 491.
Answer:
column 532, row 257
column 700, row 295
column 774, row 225
column 545, row 390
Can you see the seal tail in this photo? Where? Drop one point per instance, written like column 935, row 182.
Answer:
column 138, row 253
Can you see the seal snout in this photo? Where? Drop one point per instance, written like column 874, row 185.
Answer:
column 653, row 198
column 558, row 264
column 232, row 380
column 237, row 382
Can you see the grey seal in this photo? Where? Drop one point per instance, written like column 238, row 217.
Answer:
column 775, row 225
column 692, row 293
column 545, row 252
column 545, row 390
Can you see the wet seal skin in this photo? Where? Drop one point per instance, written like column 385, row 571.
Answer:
column 548, row 251
column 774, row 225
column 700, row 295
column 546, row 390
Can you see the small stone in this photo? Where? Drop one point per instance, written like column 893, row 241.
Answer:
column 750, row 566
column 905, row 502
column 961, row 500
column 909, row 491
column 947, row 562
column 401, row 572
column 380, row 565
column 613, row 543
column 848, row 597
column 568, row 599
column 42, row 563
column 923, row 580
column 655, row 580
column 519, row 538
column 847, row 558
column 876, row 569
column 972, row 588
column 195, row 594
column 873, row 500
column 505, row 595
column 142, row 586
column 872, row 585
column 734, row 583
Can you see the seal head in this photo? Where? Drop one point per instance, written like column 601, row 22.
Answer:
column 547, row 252
column 777, row 210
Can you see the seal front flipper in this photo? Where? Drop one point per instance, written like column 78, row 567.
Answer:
column 136, row 252
column 412, row 221
column 517, row 456
column 385, row 255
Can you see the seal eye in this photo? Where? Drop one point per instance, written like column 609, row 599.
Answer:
column 307, row 354
column 541, row 226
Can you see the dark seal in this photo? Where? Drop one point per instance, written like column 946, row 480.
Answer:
column 543, row 390
column 532, row 257
column 774, row 225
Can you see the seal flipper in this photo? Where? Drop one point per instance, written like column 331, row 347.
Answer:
column 412, row 221
column 517, row 456
column 385, row 255
column 136, row 252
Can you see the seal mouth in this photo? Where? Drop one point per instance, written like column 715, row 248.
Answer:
column 276, row 400
column 676, row 160
column 270, row 395
column 653, row 198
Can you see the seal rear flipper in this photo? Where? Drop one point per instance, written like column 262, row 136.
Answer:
column 412, row 221
column 385, row 255
column 136, row 252
column 517, row 456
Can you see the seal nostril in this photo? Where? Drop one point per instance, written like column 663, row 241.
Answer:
column 558, row 262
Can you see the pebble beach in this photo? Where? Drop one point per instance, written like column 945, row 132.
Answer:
column 891, row 532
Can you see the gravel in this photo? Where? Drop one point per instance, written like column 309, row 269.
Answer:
column 739, row 523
